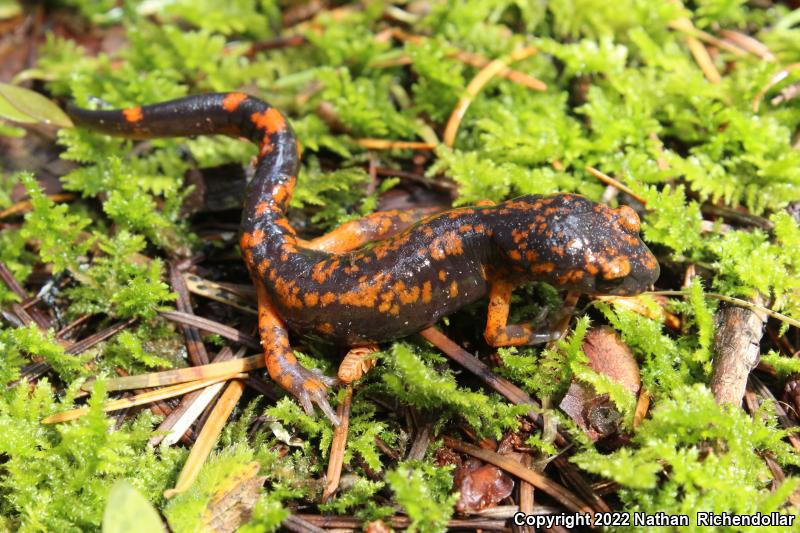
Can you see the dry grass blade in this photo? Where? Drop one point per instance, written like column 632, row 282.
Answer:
column 560, row 493
column 474, row 88
column 338, row 444
column 182, row 375
column 212, row 327
column 139, row 399
column 207, row 438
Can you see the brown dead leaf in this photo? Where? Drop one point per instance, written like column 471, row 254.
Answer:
column 481, row 485
column 607, row 355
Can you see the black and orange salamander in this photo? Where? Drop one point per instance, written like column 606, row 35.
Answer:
column 391, row 273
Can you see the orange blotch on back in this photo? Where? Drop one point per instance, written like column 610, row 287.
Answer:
column 232, row 101
column 133, row 114
column 270, row 121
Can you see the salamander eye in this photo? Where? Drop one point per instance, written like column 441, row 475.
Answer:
column 628, row 218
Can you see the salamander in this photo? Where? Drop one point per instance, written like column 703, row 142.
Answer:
column 395, row 273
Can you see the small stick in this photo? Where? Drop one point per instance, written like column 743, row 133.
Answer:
column 474, row 87
column 139, row 399
column 338, row 444
column 608, row 180
column 207, row 438
column 736, row 344
column 226, row 369
column 388, row 144
column 295, row 524
column 559, row 492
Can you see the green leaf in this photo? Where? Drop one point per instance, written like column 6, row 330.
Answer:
column 127, row 511
column 23, row 105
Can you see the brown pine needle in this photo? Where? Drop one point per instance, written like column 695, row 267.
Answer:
column 749, row 43
column 207, row 437
column 608, row 180
column 388, row 144
column 736, row 301
column 703, row 59
column 474, row 87
column 219, row 293
column 471, row 59
column 686, row 26
column 139, row 399
column 25, row 206
column 182, row 375
column 642, row 405
column 338, row 444
column 773, row 81
column 560, row 493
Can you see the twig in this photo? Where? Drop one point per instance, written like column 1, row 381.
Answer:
column 338, row 444
column 474, row 87
column 207, row 438
column 736, row 344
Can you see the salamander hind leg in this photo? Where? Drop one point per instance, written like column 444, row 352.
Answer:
column 308, row 387
column 499, row 332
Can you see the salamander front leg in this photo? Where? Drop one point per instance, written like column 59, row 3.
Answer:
column 499, row 332
column 308, row 387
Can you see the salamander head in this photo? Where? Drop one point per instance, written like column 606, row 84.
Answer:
column 576, row 244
